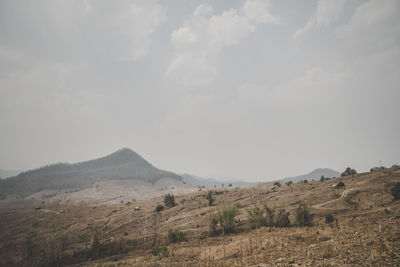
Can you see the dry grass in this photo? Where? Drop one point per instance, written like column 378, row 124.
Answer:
column 366, row 233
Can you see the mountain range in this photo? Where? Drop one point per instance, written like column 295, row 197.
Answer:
column 122, row 165
column 314, row 175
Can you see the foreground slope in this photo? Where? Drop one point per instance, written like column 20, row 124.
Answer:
column 366, row 231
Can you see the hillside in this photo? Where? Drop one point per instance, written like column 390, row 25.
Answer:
column 314, row 175
column 365, row 230
column 122, row 165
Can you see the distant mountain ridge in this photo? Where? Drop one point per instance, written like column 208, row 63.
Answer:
column 8, row 173
column 315, row 174
column 209, row 182
column 123, row 164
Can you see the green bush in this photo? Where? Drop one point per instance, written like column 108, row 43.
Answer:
column 256, row 217
column 269, row 216
column 169, row 200
column 175, row 236
column 278, row 184
column 289, row 183
column 349, row 171
column 226, row 218
column 160, row 251
column 214, row 230
column 282, row 219
column 303, row 216
column 159, row 208
column 395, row 191
column 329, row 218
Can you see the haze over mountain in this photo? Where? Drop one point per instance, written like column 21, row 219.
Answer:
column 210, row 182
column 122, row 165
column 315, row 174
column 8, row 173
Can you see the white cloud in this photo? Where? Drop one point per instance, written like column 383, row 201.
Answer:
column 327, row 11
column 204, row 34
column 373, row 24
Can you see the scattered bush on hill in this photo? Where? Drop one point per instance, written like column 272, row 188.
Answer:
column 349, row 171
column 210, row 198
column 226, row 218
column 159, row 208
column 282, row 219
column 395, row 191
column 175, row 236
column 329, row 218
column 303, row 216
column 256, row 217
column 160, row 251
column 214, row 230
column 169, row 200
column 289, row 183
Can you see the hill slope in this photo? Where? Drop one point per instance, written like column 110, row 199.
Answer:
column 124, row 164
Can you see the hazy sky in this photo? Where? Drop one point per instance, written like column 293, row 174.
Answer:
column 250, row 89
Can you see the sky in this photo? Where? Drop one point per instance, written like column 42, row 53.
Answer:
column 252, row 89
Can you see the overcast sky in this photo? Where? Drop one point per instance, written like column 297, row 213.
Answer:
column 250, row 89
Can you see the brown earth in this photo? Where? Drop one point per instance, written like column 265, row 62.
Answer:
column 366, row 231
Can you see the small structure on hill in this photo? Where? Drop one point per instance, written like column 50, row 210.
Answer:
column 137, row 208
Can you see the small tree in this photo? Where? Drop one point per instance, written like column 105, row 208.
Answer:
column 169, row 200
column 269, row 216
column 349, row 171
column 303, row 216
column 395, row 191
column 210, row 198
column 340, row 185
column 278, row 184
column 282, row 219
column 159, row 208
column 214, row 231
column 160, row 251
column 322, row 178
column 289, row 183
column 329, row 218
column 226, row 218
column 175, row 236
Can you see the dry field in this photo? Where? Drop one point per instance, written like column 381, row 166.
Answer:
column 365, row 232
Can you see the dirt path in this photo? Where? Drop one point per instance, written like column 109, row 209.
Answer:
column 343, row 195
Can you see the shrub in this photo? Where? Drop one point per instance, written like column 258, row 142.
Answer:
column 278, row 184
column 256, row 217
column 169, row 200
column 303, row 216
column 159, row 208
column 282, row 219
column 269, row 216
column 395, row 191
column 210, row 198
column 289, row 183
column 322, row 178
column 305, row 181
column 160, row 251
column 340, row 185
column 329, row 218
column 175, row 236
column 214, row 231
column 226, row 218
column 349, row 171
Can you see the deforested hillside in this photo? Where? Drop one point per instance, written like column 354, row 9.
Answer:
column 124, row 164
column 299, row 224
